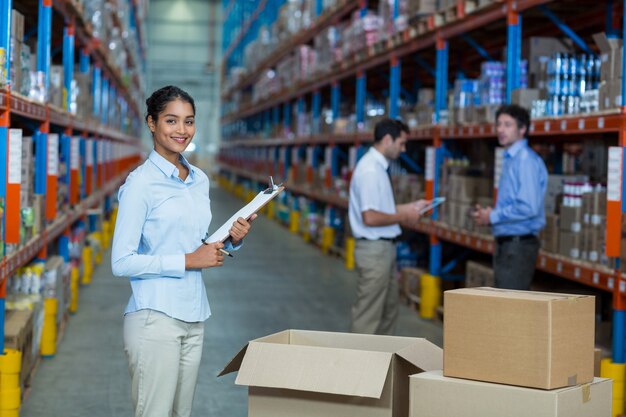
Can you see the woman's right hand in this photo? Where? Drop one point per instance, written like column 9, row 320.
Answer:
column 206, row 256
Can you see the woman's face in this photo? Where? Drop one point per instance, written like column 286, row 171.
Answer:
column 174, row 129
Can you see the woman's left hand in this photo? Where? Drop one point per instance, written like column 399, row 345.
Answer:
column 240, row 229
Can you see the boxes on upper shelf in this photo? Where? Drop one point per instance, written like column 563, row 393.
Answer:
column 531, row 339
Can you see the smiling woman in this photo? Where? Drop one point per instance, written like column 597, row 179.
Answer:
column 163, row 214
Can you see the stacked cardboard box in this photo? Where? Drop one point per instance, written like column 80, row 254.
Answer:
column 550, row 234
column 410, row 282
column 594, row 226
column 521, row 347
column 478, row 275
column 463, row 193
column 570, row 225
column 611, row 51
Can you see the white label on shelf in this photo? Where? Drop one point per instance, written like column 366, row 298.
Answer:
column 53, row 154
column 89, row 152
column 596, row 278
column 543, row 262
column 577, row 273
column 601, row 123
column 610, row 283
column 622, row 286
column 479, row 244
column 15, row 156
column 352, row 157
column 614, row 176
column 430, row 163
column 546, row 126
column 74, row 152
column 482, row 130
column 532, row 127
column 563, row 124
column 559, row 267
column 581, row 124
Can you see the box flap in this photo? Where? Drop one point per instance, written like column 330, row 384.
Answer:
column 315, row 369
column 605, row 43
column 235, row 363
column 370, row 342
column 423, row 354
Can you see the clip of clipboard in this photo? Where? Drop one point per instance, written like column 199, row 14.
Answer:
column 260, row 201
column 434, row 203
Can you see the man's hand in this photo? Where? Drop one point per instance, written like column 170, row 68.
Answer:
column 240, row 229
column 481, row 215
column 206, row 256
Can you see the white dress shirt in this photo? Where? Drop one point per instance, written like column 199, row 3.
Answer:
column 370, row 189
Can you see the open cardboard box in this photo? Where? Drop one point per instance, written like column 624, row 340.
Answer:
column 308, row 373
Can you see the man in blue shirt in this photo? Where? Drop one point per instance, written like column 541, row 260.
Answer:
column 518, row 216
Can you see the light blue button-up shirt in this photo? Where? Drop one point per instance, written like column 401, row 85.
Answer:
column 519, row 209
column 160, row 219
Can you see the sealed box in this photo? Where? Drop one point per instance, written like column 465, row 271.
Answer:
column 570, row 244
column 539, row 49
column 608, row 55
column 434, row 395
column 525, row 338
column 550, row 234
column 478, row 275
column 307, row 373
column 571, row 219
column 525, row 96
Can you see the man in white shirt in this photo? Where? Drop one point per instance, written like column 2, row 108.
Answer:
column 374, row 220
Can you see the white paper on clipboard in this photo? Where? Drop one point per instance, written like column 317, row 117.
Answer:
column 434, row 203
column 262, row 198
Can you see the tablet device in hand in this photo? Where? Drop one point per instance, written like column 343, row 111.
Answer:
column 434, row 203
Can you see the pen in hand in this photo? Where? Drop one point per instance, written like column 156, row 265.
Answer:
column 226, row 253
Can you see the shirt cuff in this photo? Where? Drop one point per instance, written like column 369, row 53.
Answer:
column 494, row 217
column 173, row 266
column 229, row 245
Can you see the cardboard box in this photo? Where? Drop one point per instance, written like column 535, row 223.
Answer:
column 434, row 395
column 597, row 358
column 550, row 234
column 570, row 244
column 478, row 275
column 537, row 49
column 555, row 189
column 525, row 96
column 608, row 55
column 306, row 373
column 410, row 281
column 571, row 219
column 525, row 338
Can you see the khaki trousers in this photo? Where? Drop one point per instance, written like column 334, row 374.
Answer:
column 163, row 359
column 375, row 310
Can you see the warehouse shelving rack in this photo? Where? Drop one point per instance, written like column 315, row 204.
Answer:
column 106, row 153
column 432, row 33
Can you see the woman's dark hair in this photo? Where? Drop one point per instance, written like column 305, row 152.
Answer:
column 156, row 103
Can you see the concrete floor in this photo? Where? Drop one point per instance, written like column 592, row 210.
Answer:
column 275, row 282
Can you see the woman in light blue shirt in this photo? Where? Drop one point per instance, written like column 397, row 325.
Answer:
column 164, row 213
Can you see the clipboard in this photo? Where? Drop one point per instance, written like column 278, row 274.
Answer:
column 260, row 201
column 434, row 203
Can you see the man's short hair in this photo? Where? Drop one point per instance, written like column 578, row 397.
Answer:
column 392, row 127
column 520, row 114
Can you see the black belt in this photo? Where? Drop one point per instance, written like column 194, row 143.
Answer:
column 503, row 239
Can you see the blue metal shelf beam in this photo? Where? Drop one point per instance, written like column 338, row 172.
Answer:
column 565, row 29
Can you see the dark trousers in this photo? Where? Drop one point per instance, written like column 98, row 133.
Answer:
column 514, row 263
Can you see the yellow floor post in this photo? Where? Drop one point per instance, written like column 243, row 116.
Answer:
column 430, row 295
column 350, row 242
column 48, row 345
column 74, row 280
column 270, row 210
column 294, row 221
column 617, row 372
column 10, row 392
column 328, row 237
column 87, row 257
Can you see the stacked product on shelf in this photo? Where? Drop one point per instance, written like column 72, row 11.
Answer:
column 521, row 347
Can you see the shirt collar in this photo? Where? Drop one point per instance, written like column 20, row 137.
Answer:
column 516, row 147
column 379, row 157
column 167, row 167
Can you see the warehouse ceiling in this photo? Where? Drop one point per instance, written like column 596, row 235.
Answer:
column 182, row 39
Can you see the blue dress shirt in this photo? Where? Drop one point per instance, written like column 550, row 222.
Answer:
column 519, row 209
column 160, row 219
